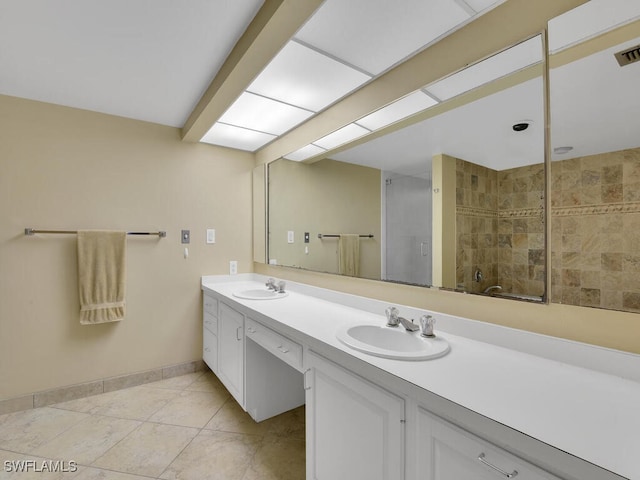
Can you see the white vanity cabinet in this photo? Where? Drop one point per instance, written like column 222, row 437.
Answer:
column 210, row 332
column 231, row 351
column 355, row 429
column 446, row 452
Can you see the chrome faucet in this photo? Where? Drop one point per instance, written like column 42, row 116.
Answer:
column 492, row 288
column 408, row 325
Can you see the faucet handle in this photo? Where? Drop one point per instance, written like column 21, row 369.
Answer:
column 281, row 285
column 392, row 316
column 271, row 284
column 426, row 326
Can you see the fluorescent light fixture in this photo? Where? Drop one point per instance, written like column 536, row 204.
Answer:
column 398, row 110
column 480, row 5
column 263, row 114
column 508, row 61
column 304, row 153
column 341, row 136
column 236, row 137
column 301, row 76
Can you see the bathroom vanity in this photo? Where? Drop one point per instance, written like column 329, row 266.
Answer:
column 502, row 403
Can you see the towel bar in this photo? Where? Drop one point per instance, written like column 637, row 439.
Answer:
column 33, row 231
column 323, row 235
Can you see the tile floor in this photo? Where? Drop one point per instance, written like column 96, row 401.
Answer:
column 181, row 428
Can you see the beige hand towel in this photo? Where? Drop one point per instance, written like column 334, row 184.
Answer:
column 101, row 275
column 349, row 255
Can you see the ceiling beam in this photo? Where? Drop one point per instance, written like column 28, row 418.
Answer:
column 500, row 28
column 274, row 24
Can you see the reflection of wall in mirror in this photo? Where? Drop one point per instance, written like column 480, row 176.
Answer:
column 500, row 228
column 327, row 197
column 595, row 231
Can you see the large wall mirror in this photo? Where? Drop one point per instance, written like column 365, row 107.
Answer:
column 595, row 168
column 454, row 198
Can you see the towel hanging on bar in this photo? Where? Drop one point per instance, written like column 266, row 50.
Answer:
column 102, row 258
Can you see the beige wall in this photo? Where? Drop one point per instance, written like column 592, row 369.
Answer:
column 327, row 197
column 62, row 168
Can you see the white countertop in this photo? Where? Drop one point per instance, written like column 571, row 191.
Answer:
column 590, row 414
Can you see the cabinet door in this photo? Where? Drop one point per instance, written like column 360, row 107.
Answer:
column 231, row 351
column 355, row 429
column 446, row 452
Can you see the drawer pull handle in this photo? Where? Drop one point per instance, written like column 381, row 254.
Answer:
column 238, row 334
column 304, row 379
column 497, row 469
column 251, row 330
column 282, row 349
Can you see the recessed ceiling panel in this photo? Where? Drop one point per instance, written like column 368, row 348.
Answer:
column 300, row 76
column 590, row 19
column 480, row 5
column 149, row 61
column 506, row 62
column 304, row 153
column 263, row 114
column 398, row 110
column 341, row 136
column 236, row 137
column 361, row 32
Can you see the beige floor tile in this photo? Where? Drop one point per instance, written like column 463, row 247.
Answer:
column 99, row 474
column 231, row 418
column 136, row 403
column 148, row 450
column 18, row 466
column 190, row 409
column 25, row 431
column 207, row 383
column 214, row 456
column 289, row 424
column 278, row 458
column 88, row 439
column 177, row 383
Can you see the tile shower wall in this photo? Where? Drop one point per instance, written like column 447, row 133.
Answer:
column 595, row 231
column 500, row 228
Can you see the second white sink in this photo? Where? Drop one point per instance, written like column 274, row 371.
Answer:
column 389, row 342
column 259, row 294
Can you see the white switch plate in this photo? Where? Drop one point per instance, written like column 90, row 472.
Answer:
column 211, row 235
column 290, row 236
column 233, row 267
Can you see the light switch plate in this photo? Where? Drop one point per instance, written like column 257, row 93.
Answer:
column 186, row 236
column 290, row 236
column 233, row 267
column 211, row 235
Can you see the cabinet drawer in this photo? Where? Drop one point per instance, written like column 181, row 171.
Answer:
column 210, row 322
column 460, row 454
column 275, row 343
column 210, row 305
column 210, row 349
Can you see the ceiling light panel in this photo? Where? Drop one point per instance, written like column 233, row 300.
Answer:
column 398, row 110
column 301, row 76
column 361, row 32
column 341, row 136
column 506, row 62
column 236, row 137
column 304, row 153
column 263, row 114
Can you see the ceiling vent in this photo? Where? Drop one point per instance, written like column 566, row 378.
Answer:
column 628, row 56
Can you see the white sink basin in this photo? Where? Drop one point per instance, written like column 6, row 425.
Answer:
column 389, row 342
column 259, row 294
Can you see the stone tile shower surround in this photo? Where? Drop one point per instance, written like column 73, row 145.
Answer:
column 595, row 231
column 500, row 228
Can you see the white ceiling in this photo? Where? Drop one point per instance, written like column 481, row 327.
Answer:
column 144, row 59
column 594, row 109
